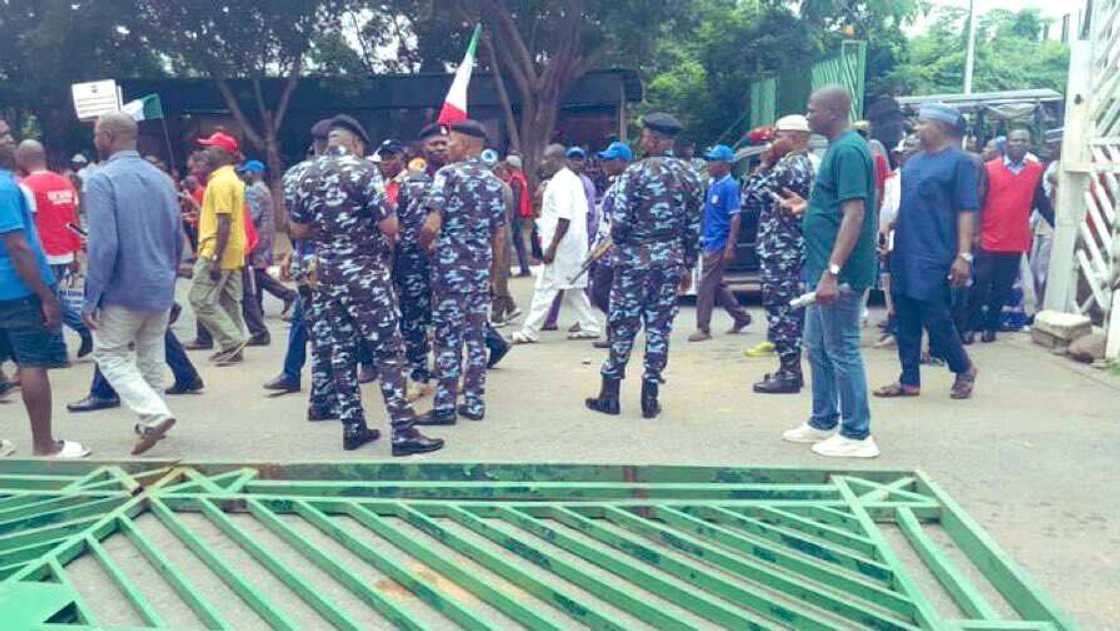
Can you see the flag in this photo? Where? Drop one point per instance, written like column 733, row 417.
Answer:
column 144, row 108
column 455, row 105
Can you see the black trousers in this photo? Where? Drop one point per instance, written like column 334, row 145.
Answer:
column 995, row 276
column 265, row 282
column 602, row 277
column 911, row 316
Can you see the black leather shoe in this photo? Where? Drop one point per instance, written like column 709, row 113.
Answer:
column 408, row 442
column 282, row 384
column 968, row 337
column 781, row 382
column 260, row 341
column 319, row 414
column 87, row 346
column 437, row 417
column 607, row 401
column 497, row 352
column 650, row 407
column 601, row 343
column 92, row 404
column 464, row 412
column 185, row 388
column 353, row 440
column 988, row 337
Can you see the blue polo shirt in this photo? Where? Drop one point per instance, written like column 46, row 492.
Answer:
column 720, row 205
column 15, row 216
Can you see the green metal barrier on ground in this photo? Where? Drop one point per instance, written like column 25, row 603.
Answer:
column 165, row 545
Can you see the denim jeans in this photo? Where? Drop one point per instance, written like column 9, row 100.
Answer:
column 832, row 337
column 71, row 317
column 296, row 354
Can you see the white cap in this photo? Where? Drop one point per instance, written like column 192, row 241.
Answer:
column 514, row 161
column 79, row 158
column 793, row 122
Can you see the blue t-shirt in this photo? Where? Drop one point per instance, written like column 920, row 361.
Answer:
column 935, row 188
column 15, row 216
column 720, row 205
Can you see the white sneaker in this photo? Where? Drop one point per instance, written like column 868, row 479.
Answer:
column 521, row 337
column 805, row 433
column 840, row 447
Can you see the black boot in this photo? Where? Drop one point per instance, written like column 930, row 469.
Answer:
column 410, row 441
column 607, row 401
column 787, row 380
column 358, row 435
column 650, row 407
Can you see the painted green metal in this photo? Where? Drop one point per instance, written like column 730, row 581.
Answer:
column 848, row 69
column 162, row 545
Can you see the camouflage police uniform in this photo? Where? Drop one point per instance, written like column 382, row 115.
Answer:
column 781, row 249
column 322, row 400
column 469, row 198
column 411, row 274
column 342, row 195
column 655, row 226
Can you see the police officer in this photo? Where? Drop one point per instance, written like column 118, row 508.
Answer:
column 781, row 246
column 466, row 211
column 655, row 226
column 411, row 268
column 341, row 206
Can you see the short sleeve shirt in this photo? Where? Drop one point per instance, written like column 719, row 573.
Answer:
column 15, row 216
column 225, row 195
column 847, row 173
column 721, row 204
column 936, row 188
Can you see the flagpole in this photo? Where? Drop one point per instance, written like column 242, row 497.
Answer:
column 170, row 149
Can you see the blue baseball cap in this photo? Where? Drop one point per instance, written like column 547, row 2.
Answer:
column 251, row 166
column 617, row 151
column 489, row 157
column 720, row 153
column 575, row 152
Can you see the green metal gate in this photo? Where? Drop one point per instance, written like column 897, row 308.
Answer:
column 145, row 545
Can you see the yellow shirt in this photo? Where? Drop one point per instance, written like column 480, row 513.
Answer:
column 225, row 195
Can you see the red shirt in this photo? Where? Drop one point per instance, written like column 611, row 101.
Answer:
column 1005, row 222
column 56, row 203
column 517, row 181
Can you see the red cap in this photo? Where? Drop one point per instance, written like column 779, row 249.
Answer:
column 220, row 140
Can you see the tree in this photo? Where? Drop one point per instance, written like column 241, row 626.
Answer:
column 246, row 39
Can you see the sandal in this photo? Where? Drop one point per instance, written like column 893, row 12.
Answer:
column 520, row 338
column 71, row 450
column 151, row 435
column 962, row 386
column 896, row 389
column 583, row 335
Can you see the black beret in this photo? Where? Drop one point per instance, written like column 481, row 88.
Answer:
column 433, row 129
column 320, row 130
column 662, row 123
column 350, row 124
column 470, row 127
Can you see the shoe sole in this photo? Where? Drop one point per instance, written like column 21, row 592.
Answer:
column 851, row 455
column 805, row 441
column 221, row 356
column 758, row 391
column 152, row 436
column 399, row 453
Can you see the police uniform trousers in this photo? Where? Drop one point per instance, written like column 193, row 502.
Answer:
column 641, row 296
column 460, row 319
column 323, row 397
column 781, row 283
column 360, row 305
column 411, row 276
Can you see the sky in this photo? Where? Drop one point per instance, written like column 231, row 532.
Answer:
column 1049, row 8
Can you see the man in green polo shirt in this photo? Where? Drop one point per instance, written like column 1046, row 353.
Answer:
column 840, row 230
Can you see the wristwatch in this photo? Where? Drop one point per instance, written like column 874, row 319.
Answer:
column 966, row 256
column 834, row 269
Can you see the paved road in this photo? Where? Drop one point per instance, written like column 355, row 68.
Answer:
column 1033, row 456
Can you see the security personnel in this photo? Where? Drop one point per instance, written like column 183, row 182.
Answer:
column 781, row 246
column 655, row 226
column 411, row 273
column 466, row 211
column 341, row 206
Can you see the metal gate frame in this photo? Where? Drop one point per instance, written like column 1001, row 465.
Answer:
column 1086, row 249
column 599, row 546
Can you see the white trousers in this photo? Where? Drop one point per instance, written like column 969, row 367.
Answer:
column 542, row 301
column 139, row 381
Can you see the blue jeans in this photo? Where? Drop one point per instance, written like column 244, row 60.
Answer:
column 181, row 367
column 71, row 317
column 832, row 337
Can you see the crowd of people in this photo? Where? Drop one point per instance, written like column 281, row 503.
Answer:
column 401, row 254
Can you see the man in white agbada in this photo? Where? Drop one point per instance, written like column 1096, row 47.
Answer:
column 563, row 232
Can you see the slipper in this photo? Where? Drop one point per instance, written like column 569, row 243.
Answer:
column 762, row 349
column 583, row 335
column 7, row 448
column 896, row 390
column 151, row 436
column 71, row 450
column 520, row 338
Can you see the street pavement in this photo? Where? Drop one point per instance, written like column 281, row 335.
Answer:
column 1033, row 456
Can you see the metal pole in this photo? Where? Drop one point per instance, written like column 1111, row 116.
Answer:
column 970, row 54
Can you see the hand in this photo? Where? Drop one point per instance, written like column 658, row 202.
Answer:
column 827, row 290
column 432, row 224
column 686, row 281
column 729, row 255
column 960, row 272
column 215, row 273
column 549, row 255
column 52, row 312
column 90, row 320
column 793, row 203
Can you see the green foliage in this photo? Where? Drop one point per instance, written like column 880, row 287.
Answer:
column 1010, row 55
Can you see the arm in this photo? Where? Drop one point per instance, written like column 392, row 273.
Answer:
column 23, row 259
column 558, row 236
column 102, row 244
column 1043, row 205
column 733, row 230
column 854, row 211
column 966, row 202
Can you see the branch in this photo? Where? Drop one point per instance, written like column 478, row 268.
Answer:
column 286, row 94
column 251, row 134
column 503, row 95
column 518, row 57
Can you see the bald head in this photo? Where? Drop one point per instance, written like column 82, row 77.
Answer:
column 30, row 156
column 114, row 133
column 829, row 109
